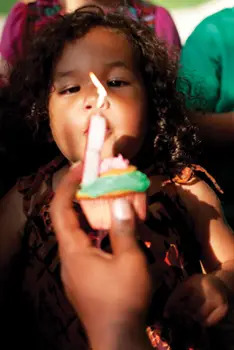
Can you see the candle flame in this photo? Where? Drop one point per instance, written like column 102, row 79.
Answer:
column 101, row 91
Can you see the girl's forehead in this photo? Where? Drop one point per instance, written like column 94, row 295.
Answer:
column 99, row 46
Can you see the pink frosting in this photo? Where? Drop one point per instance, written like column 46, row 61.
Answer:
column 113, row 163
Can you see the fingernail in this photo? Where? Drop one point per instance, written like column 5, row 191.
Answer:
column 121, row 209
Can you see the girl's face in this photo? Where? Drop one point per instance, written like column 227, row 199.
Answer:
column 73, row 97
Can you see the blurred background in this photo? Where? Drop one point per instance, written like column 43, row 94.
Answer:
column 186, row 13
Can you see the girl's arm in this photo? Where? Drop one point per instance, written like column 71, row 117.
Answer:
column 12, row 221
column 212, row 231
column 204, row 297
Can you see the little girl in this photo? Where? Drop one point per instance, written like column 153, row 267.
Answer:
column 27, row 16
column 147, row 124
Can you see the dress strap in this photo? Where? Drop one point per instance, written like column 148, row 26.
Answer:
column 188, row 173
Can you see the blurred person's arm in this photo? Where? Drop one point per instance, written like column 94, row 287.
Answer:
column 216, row 129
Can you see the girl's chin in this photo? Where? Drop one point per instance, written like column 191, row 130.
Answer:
column 104, row 155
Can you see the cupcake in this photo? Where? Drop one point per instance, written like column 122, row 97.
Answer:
column 116, row 179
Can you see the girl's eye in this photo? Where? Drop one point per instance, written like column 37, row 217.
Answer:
column 117, row 83
column 70, row 90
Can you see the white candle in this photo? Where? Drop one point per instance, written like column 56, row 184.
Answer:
column 95, row 139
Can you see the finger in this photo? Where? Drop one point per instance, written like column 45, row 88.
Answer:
column 139, row 204
column 122, row 233
column 215, row 315
column 64, row 218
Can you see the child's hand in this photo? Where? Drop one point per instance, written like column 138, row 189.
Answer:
column 201, row 297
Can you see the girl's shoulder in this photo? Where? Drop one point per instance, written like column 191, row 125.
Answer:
column 164, row 199
column 202, row 204
column 190, row 183
column 189, row 189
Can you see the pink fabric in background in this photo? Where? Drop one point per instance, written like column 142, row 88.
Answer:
column 11, row 45
column 14, row 31
column 165, row 27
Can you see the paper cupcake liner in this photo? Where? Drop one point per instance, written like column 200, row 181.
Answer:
column 98, row 210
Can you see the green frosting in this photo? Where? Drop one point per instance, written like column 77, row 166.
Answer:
column 135, row 181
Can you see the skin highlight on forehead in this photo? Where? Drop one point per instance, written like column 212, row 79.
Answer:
column 119, row 55
column 59, row 75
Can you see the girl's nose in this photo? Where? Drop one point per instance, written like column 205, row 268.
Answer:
column 90, row 101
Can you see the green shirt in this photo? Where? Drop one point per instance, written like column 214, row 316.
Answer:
column 207, row 62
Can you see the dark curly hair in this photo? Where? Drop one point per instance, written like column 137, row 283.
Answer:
column 171, row 142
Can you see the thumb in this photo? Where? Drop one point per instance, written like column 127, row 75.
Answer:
column 122, row 233
column 64, row 219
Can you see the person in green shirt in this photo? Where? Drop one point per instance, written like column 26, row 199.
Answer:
column 207, row 64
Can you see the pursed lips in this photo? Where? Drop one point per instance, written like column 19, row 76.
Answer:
column 108, row 132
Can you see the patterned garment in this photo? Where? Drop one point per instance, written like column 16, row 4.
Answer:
column 42, row 11
column 24, row 20
column 143, row 12
column 157, row 18
column 167, row 240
